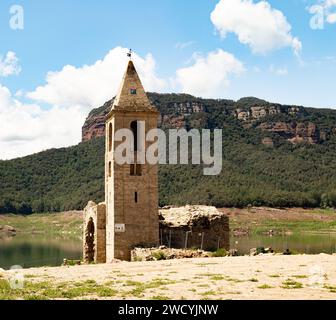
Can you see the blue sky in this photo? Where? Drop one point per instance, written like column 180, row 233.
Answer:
column 179, row 36
column 78, row 32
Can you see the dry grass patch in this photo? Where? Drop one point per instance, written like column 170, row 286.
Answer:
column 292, row 284
column 265, row 286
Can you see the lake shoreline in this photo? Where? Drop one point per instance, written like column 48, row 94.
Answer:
column 252, row 220
column 265, row 277
column 47, row 239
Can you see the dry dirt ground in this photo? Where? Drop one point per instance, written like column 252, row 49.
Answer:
column 252, row 219
column 262, row 219
column 263, row 277
column 259, row 214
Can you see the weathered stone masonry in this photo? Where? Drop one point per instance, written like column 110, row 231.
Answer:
column 131, row 191
column 130, row 216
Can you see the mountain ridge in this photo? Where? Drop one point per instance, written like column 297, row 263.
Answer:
column 295, row 123
column 273, row 155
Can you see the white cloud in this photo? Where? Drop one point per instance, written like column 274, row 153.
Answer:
column 278, row 71
column 257, row 25
column 28, row 128
column 184, row 45
column 92, row 85
column 9, row 65
column 328, row 9
column 208, row 76
column 331, row 18
column 328, row 4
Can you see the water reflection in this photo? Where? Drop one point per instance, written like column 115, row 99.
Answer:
column 301, row 243
column 34, row 251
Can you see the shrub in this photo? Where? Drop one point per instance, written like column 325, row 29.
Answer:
column 159, row 255
column 220, row 253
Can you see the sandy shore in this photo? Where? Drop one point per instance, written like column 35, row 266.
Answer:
column 260, row 278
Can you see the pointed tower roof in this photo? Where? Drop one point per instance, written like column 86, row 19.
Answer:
column 132, row 96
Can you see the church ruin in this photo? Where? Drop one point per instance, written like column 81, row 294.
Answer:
column 130, row 217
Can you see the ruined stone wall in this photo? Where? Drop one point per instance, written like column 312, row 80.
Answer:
column 194, row 227
column 94, row 216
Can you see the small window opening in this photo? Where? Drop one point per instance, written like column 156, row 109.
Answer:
column 110, row 169
column 110, row 137
column 134, row 128
column 136, row 197
column 133, row 91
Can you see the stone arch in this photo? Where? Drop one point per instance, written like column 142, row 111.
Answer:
column 90, row 242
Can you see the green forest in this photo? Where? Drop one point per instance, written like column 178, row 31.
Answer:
column 253, row 174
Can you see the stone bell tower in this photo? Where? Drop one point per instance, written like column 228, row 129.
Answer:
column 131, row 190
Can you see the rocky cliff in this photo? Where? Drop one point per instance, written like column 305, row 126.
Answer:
column 94, row 125
column 292, row 123
column 174, row 116
column 295, row 132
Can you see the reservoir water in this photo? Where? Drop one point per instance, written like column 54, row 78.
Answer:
column 29, row 250
column 36, row 251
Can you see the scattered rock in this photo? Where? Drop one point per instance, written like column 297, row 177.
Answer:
column 115, row 261
column 7, row 231
column 269, row 250
column 166, row 207
column 155, row 254
column 233, row 253
column 253, row 252
column 71, row 263
column 260, row 251
column 287, row 252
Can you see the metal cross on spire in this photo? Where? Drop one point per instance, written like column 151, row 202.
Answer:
column 129, row 54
